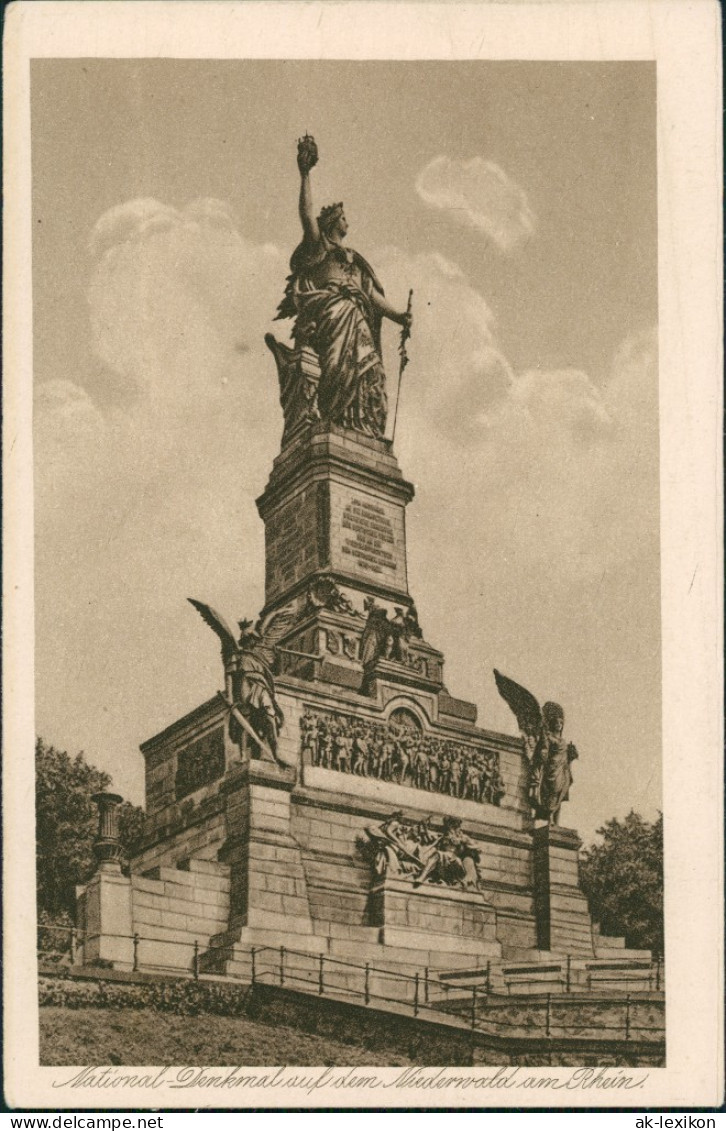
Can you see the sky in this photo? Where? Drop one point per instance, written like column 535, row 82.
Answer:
column 519, row 202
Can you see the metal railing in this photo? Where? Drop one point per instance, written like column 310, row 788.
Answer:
column 428, row 992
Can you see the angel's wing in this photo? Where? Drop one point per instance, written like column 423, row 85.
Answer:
column 219, row 625
column 522, row 703
column 271, row 629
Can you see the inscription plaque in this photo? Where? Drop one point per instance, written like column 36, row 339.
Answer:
column 371, row 535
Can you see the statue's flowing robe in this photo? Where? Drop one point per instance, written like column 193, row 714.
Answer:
column 551, row 776
column 341, row 324
column 255, row 687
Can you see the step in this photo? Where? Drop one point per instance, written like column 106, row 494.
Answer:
column 410, row 957
column 204, row 867
column 348, row 931
column 190, row 880
column 427, row 941
column 246, row 937
column 622, row 953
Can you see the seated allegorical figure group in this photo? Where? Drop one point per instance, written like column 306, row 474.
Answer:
column 413, row 850
column 400, row 753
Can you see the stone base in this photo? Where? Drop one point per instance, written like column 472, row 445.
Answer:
column 433, row 917
column 106, row 919
column 390, row 672
column 563, row 917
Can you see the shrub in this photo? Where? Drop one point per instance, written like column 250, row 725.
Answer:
column 180, row 996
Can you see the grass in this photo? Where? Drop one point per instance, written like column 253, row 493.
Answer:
column 144, row 1036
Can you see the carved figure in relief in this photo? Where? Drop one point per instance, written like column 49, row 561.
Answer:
column 375, row 633
column 388, row 639
column 310, row 731
column 360, row 754
column 453, row 858
column 338, row 304
column 395, row 850
column 343, row 744
column 250, row 684
column 323, row 593
column 550, row 757
column 400, row 752
column 402, row 849
column 326, row 750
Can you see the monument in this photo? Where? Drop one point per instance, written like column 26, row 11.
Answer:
column 336, row 798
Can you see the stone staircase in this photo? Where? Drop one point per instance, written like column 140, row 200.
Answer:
column 174, row 908
column 294, row 959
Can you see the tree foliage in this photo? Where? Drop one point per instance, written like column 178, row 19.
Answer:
column 66, row 824
column 623, row 880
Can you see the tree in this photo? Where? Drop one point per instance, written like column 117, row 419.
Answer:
column 66, row 825
column 623, row 880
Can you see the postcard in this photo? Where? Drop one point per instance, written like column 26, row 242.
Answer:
column 376, row 347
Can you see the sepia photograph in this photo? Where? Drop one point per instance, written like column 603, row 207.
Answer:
column 348, row 576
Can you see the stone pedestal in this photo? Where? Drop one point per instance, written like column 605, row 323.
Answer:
column 433, row 917
column 563, row 918
column 425, row 676
column 106, row 919
column 335, row 501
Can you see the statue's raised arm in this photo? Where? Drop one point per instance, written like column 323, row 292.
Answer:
column 338, row 305
column 307, row 158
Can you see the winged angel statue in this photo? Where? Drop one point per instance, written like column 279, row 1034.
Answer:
column 549, row 755
column 249, row 682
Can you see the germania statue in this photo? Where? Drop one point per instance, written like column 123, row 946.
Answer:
column 338, row 305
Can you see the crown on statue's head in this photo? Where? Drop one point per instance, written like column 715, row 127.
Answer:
column 329, row 215
column 247, row 628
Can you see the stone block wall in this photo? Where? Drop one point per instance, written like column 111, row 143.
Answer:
column 175, row 908
column 198, row 831
column 269, row 885
column 335, row 501
column 563, row 917
column 105, row 919
column 152, row 921
column 434, row 917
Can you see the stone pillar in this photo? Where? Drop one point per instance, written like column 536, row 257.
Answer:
column 563, row 917
column 268, row 888
column 104, row 902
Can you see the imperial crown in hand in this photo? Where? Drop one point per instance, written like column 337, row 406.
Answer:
column 307, row 153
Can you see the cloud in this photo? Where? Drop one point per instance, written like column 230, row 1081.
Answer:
column 68, row 406
column 176, row 298
column 460, row 383
column 560, row 471
column 143, row 498
column 478, row 194
column 140, row 218
column 455, row 357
